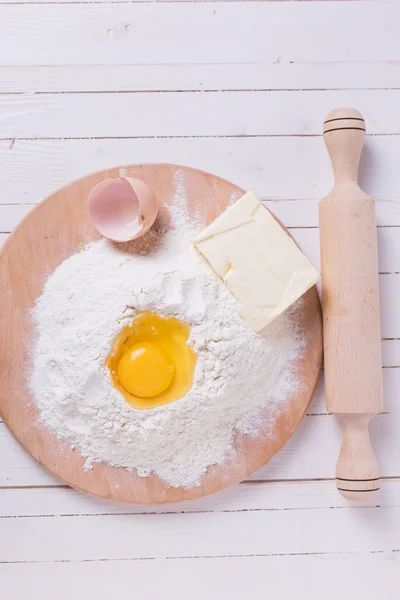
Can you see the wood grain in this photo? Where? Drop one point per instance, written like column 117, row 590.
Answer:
column 205, row 114
column 199, row 77
column 350, row 295
column 212, row 534
column 271, row 496
column 365, row 576
column 151, row 33
column 55, row 229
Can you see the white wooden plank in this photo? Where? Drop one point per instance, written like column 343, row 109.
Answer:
column 11, row 215
column 389, row 292
column 389, row 249
column 159, row 1
column 198, row 77
column 391, row 353
column 274, row 168
column 240, row 533
column 366, row 576
column 274, row 496
column 147, row 114
column 131, row 33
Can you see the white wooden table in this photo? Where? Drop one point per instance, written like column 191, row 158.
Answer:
column 239, row 89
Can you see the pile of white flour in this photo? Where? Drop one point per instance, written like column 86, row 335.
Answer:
column 239, row 373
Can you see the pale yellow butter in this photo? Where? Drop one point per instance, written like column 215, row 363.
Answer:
column 260, row 264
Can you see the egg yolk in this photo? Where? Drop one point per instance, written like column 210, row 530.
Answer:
column 145, row 370
column 151, row 362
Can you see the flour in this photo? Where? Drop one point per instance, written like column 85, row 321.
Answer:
column 242, row 379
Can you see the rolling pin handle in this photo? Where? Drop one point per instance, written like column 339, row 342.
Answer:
column 344, row 131
column 357, row 470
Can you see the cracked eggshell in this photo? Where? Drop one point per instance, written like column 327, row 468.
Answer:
column 122, row 209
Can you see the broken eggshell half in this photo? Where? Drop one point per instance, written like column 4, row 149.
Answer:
column 122, row 209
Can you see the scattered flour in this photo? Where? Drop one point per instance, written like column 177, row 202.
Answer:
column 242, row 379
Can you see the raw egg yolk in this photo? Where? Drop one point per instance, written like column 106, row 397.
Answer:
column 151, row 362
column 145, row 370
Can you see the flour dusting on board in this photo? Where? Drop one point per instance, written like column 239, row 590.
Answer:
column 242, row 379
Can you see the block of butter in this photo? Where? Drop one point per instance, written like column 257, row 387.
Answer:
column 260, row 264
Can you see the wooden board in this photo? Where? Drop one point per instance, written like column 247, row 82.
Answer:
column 59, row 227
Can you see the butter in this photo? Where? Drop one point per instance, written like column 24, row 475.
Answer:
column 260, row 264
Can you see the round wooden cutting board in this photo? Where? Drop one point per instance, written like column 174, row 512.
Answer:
column 60, row 226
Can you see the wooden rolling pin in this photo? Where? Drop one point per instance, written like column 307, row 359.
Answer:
column 350, row 299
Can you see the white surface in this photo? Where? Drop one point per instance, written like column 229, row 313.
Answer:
column 238, row 89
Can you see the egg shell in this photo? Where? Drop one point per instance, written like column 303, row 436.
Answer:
column 122, row 209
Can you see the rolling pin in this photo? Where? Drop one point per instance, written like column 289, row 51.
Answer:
column 350, row 300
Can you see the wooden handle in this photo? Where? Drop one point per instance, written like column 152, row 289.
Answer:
column 350, row 298
column 344, row 130
column 357, row 470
